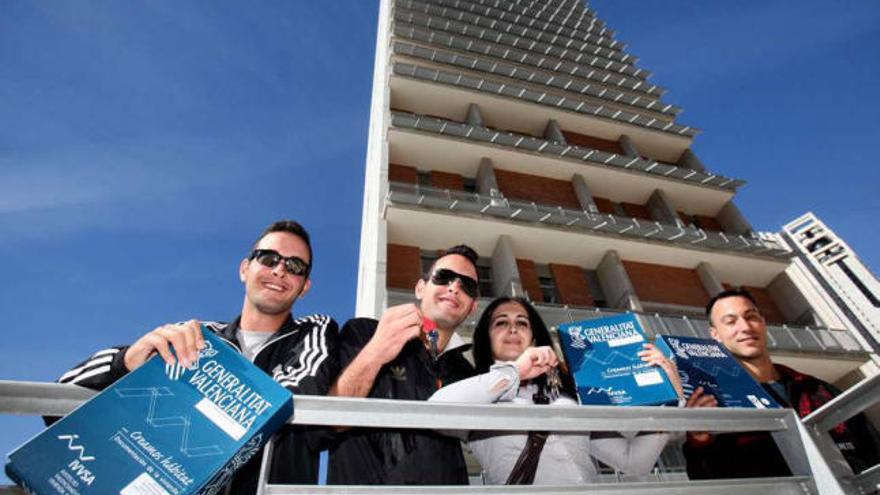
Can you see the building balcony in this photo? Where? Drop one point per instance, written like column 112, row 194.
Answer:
column 507, row 40
column 545, row 149
column 459, row 202
column 463, row 12
column 553, row 64
column 580, row 17
column 824, row 352
column 494, row 10
column 534, row 78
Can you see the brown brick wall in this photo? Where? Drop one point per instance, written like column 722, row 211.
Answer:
column 404, row 266
column 541, row 190
column 592, row 142
column 571, row 285
column 604, row 205
column 766, row 305
column 529, row 279
column 708, row 223
column 666, row 284
column 402, row 173
column 637, row 211
column 445, row 180
column 684, row 218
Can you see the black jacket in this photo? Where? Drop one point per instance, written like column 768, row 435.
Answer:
column 400, row 457
column 755, row 454
column 302, row 357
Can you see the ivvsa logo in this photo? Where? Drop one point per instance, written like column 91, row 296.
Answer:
column 77, row 465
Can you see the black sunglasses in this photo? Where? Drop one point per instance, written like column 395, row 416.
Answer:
column 445, row 276
column 270, row 259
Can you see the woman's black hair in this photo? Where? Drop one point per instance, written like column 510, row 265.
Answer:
column 482, row 350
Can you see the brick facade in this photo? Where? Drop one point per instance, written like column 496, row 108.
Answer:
column 604, row 205
column 541, row 190
column 708, row 223
column 446, row 180
column 591, row 142
column 666, row 284
column 571, row 285
column 404, row 266
column 528, row 277
column 402, row 173
column 637, row 211
column 766, row 305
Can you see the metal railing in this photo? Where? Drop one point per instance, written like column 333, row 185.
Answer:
column 813, row 458
column 553, row 149
column 557, row 216
column 43, row 398
column 790, row 338
column 843, row 407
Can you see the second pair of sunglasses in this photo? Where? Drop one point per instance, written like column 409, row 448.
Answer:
column 445, row 276
column 270, row 259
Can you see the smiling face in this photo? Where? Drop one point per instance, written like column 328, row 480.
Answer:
column 739, row 326
column 510, row 332
column 272, row 291
column 447, row 305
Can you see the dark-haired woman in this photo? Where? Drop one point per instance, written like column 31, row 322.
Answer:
column 514, row 354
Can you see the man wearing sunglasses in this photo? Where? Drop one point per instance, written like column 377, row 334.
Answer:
column 410, row 352
column 300, row 354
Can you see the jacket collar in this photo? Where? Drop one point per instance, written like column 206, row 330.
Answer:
column 229, row 333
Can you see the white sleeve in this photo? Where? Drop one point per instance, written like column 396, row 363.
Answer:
column 500, row 384
column 630, row 454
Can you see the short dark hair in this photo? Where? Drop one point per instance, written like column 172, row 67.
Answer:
column 461, row 250
column 738, row 292
column 291, row 227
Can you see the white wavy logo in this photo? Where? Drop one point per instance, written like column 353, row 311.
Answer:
column 71, row 445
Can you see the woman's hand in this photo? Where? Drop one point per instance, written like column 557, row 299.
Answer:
column 653, row 356
column 536, row 361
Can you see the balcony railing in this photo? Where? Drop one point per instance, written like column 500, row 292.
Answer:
column 561, row 42
column 787, row 338
column 577, row 17
column 813, row 458
column 55, row 399
column 553, row 81
column 485, row 135
column 514, row 41
column 579, row 106
column 579, row 220
column 475, row 45
column 488, row 9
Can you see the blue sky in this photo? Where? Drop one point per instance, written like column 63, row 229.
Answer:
column 144, row 145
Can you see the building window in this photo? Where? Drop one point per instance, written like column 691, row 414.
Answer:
column 859, row 284
column 596, row 289
column 424, row 178
column 470, row 185
column 547, row 284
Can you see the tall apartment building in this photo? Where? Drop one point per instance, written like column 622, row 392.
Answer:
column 839, row 275
column 526, row 130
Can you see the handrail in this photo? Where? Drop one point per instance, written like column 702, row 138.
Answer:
column 36, row 398
column 52, row 399
column 853, row 401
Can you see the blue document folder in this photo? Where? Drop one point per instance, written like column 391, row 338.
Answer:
column 602, row 355
column 160, row 430
column 706, row 363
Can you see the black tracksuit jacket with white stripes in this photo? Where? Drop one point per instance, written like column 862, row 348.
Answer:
column 302, row 356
